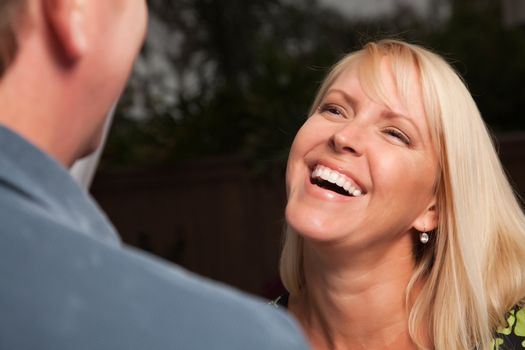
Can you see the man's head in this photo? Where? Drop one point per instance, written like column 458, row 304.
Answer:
column 65, row 63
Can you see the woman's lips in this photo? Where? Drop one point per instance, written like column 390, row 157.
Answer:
column 345, row 186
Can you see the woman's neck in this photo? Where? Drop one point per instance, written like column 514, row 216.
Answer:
column 355, row 302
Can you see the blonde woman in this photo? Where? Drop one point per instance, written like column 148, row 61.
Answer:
column 403, row 231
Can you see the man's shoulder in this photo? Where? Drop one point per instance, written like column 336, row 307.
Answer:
column 69, row 290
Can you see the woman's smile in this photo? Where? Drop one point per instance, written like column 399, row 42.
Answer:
column 332, row 183
column 335, row 181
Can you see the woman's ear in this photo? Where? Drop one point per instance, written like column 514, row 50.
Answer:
column 67, row 21
column 428, row 220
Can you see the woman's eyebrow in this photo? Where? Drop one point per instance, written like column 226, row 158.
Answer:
column 349, row 99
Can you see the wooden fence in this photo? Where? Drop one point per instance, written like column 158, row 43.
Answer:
column 211, row 217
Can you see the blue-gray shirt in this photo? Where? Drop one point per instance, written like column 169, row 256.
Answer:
column 66, row 281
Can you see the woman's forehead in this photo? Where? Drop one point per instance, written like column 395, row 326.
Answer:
column 379, row 80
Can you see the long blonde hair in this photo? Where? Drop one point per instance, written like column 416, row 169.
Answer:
column 474, row 270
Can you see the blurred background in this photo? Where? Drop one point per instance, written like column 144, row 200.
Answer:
column 193, row 169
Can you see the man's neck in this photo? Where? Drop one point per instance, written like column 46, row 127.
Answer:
column 36, row 103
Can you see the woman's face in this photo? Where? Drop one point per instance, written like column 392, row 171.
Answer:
column 380, row 159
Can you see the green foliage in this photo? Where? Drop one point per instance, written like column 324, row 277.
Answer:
column 491, row 59
column 267, row 59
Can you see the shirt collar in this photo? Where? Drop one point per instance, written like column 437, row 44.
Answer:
column 39, row 178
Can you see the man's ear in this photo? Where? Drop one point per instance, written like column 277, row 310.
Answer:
column 66, row 18
column 428, row 220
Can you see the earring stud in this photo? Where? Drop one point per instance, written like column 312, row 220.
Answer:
column 423, row 237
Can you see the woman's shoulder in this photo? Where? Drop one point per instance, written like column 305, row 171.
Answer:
column 512, row 336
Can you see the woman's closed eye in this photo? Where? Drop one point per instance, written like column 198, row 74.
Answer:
column 398, row 136
column 332, row 111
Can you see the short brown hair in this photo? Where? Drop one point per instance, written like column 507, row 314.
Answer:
column 10, row 11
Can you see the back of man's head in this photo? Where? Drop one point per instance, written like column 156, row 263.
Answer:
column 63, row 63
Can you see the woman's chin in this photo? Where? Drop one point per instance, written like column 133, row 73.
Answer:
column 312, row 227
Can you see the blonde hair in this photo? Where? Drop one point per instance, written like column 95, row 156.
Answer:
column 474, row 270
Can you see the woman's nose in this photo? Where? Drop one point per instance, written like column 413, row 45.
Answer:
column 348, row 139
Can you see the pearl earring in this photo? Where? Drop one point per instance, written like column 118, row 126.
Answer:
column 423, row 237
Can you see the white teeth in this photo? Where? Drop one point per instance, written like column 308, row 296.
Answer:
column 324, row 173
column 338, row 179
